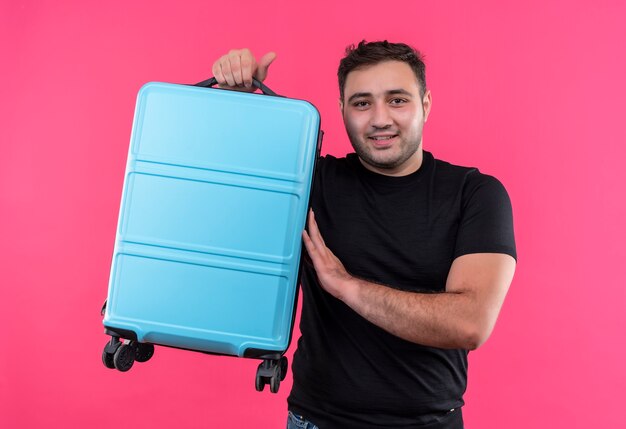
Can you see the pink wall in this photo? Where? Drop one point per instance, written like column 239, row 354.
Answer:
column 530, row 91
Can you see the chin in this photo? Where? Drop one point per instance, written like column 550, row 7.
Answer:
column 386, row 160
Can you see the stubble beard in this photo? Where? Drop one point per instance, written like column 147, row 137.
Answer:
column 407, row 150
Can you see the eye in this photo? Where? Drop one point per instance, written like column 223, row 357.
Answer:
column 398, row 101
column 360, row 104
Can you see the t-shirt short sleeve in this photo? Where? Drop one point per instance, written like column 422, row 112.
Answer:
column 486, row 224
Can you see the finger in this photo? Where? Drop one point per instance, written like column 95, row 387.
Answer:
column 264, row 64
column 313, row 251
column 314, row 230
column 247, row 68
column 217, row 72
column 310, row 247
column 235, row 66
column 226, row 71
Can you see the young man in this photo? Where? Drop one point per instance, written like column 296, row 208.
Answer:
column 411, row 256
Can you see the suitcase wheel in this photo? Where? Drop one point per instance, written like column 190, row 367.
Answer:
column 259, row 382
column 107, row 360
column 121, row 355
column 275, row 379
column 271, row 371
column 124, row 357
column 144, row 352
column 108, row 353
column 283, row 368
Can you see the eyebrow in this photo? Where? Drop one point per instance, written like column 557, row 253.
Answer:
column 390, row 92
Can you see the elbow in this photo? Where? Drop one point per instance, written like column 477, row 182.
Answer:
column 475, row 336
column 473, row 341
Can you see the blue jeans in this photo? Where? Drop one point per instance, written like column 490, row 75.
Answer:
column 295, row 421
column 451, row 419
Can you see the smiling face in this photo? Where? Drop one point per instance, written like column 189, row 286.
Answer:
column 384, row 116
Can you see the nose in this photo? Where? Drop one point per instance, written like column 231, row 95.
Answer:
column 381, row 118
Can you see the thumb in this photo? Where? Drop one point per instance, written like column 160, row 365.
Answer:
column 264, row 64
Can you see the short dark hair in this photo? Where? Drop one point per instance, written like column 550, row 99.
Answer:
column 367, row 54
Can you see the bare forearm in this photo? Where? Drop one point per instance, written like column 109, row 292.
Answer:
column 433, row 319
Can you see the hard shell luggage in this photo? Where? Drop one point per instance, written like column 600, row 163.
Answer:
column 208, row 243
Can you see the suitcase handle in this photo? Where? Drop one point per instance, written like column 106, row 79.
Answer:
column 255, row 82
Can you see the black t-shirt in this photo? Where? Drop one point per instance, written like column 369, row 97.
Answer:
column 403, row 232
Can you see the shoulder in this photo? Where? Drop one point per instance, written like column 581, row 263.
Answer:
column 486, row 215
column 470, row 181
column 446, row 171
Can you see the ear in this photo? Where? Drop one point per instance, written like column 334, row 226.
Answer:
column 427, row 103
column 340, row 105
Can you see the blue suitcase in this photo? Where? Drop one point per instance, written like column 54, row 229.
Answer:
column 208, row 244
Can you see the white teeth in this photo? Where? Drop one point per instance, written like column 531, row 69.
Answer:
column 382, row 138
